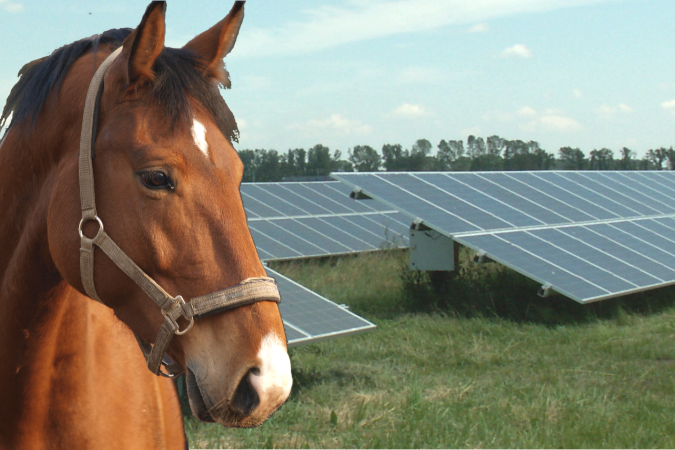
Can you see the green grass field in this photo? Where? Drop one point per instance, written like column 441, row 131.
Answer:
column 478, row 362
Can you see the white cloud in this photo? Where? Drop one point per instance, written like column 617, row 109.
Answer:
column 410, row 110
column 558, row 123
column 527, row 111
column 335, row 125
column 516, row 51
column 609, row 112
column 329, row 26
column 479, row 28
column 11, row 6
column 669, row 106
column 577, row 93
column 533, row 121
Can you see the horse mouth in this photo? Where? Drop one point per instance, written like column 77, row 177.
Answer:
column 227, row 413
column 197, row 403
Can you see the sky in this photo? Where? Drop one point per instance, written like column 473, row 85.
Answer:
column 580, row 73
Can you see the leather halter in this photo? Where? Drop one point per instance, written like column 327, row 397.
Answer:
column 247, row 292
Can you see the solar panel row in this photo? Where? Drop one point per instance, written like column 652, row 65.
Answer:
column 308, row 316
column 471, row 201
column 297, row 220
column 589, row 235
column 588, row 262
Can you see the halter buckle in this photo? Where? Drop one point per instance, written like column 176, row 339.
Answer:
column 178, row 301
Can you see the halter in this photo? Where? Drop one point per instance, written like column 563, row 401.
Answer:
column 247, row 292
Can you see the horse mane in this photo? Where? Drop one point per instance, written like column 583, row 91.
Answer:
column 178, row 77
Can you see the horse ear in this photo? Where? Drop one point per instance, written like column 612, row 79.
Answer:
column 144, row 44
column 216, row 42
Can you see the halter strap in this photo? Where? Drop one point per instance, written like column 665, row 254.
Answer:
column 247, row 292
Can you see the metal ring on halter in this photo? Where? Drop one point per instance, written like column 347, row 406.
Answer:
column 100, row 227
column 167, row 375
column 179, row 299
column 192, row 322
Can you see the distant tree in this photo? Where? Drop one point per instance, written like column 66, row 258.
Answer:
column 419, row 156
column 495, row 145
column 602, row 159
column 340, row 165
column 299, row 161
column 462, row 164
column 248, row 159
column 571, row 158
column 267, row 165
column 627, row 161
column 475, row 146
column 657, row 157
column 487, row 162
column 365, row 158
column 394, row 158
column 448, row 153
column 319, row 161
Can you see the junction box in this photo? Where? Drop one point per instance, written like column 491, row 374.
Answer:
column 431, row 250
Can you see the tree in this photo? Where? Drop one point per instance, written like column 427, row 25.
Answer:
column 417, row 160
column 448, row 153
column 266, row 165
column 602, row 159
column 394, row 158
column 319, row 161
column 627, row 161
column 247, row 158
column 657, row 157
column 571, row 158
column 475, row 146
column 487, row 162
column 495, row 145
column 365, row 158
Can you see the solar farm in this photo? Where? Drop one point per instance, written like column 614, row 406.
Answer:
column 587, row 256
column 589, row 236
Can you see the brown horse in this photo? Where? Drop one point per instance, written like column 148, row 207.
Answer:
column 167, row 189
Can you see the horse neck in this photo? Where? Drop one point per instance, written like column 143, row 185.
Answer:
column 32, row 291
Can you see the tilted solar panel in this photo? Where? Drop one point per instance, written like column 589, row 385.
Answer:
column 297, row 220
column 589, row 235
column 309, row 317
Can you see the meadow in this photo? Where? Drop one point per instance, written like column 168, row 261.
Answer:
column 475, row 359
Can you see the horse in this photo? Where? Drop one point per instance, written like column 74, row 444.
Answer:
column 167, row 190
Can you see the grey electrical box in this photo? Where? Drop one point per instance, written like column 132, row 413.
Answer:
column 429, row 249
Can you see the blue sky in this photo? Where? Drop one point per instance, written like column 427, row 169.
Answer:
column 580, row 73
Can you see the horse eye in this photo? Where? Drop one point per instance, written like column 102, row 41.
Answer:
column 156, row 179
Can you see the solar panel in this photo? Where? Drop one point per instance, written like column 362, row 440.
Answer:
column 297, row 220
column 309, row 317
column 589, row 235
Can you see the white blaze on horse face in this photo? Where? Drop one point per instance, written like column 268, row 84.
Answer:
column 273, row 382
column 199, row 135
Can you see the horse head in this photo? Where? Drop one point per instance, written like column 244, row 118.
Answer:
column 167, row 189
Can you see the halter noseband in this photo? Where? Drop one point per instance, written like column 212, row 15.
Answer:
column 248, row 291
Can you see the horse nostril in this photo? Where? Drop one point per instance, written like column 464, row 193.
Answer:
column 245, row 398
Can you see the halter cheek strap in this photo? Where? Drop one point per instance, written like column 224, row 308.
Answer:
column 248, row 291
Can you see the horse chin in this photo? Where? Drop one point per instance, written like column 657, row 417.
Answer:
column 203, row 409
column 197, row 403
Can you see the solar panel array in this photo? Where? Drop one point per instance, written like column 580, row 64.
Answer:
column 297, row 220
column 308, row 316
column 589, row 235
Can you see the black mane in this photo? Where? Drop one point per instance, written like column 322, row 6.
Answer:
column 178, row 77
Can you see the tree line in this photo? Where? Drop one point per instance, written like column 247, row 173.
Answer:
column 476, row 154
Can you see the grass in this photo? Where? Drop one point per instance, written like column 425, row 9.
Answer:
column 458, row 371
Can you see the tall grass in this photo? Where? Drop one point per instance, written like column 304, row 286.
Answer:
column 451, row 366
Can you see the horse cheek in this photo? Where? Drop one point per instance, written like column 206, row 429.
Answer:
column 63, row 217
